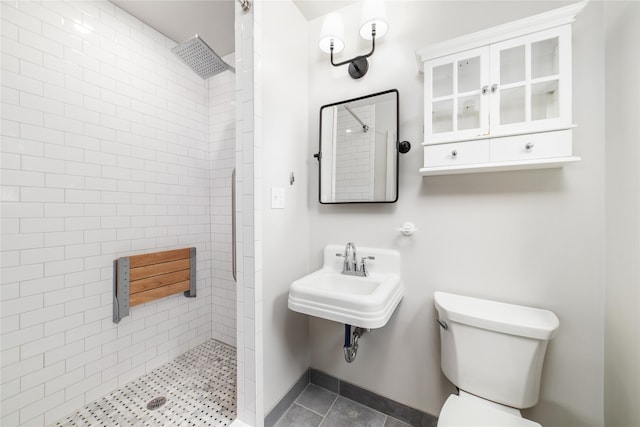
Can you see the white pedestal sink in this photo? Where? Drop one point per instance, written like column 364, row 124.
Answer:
column 367, row 302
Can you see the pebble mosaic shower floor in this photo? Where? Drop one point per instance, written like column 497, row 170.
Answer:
column 199, row 387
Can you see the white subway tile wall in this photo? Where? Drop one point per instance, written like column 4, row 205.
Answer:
column 248, row 158
column 355, row 161
column 106, row 140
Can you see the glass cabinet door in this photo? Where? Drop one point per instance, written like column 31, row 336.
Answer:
column 530, row 86
column 456, row 89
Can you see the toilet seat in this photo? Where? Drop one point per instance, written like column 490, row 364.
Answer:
column 467, row 412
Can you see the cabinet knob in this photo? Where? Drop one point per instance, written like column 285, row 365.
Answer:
column 494, row 87
column 454, row 153
column 485, row 90
column 529, row 145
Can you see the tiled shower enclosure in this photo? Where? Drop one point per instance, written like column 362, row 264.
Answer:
column 111, row 147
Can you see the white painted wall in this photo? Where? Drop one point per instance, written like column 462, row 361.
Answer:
column 622, row 187
column 528, row 237
column 285, row 231
column 105, row 153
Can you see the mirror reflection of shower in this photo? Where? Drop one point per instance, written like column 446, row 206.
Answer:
column 358, row 149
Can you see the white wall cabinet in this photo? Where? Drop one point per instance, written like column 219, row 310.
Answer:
column 500, row 99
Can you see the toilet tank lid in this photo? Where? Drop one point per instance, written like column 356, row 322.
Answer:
column 497, row 316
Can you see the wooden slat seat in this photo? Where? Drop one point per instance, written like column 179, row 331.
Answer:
column 157, row 275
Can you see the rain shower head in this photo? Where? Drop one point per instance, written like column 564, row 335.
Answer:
column 200, row 57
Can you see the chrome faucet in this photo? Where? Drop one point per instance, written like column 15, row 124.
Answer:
column 350, row 265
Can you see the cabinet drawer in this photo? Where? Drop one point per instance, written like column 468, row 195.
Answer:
column 458, row 153
column 533, row 146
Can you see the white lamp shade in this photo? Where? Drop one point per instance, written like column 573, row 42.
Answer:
column 332, row 31
column 373, row 12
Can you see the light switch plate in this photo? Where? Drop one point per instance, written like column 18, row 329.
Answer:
column 277, row 198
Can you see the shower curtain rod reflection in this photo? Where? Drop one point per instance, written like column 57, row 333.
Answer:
column 365, row 127
column 246, row 5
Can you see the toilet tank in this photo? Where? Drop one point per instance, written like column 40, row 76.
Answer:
column 494, row 350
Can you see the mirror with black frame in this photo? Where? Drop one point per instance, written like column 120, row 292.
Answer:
column 359, row 150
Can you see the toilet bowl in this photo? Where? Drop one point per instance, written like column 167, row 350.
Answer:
column 467, row 410
column 493, row 353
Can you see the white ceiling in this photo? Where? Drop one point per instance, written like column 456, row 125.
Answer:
column 313, row 8
column 180, row 20
column 212, row 20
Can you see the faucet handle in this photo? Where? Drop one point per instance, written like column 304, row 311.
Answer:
column 363, row 265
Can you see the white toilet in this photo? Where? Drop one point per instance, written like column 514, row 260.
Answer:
column 493, row 352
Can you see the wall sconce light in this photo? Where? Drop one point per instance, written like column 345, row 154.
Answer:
column 373, row 25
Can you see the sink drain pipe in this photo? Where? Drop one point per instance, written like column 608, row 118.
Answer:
column 351, row 344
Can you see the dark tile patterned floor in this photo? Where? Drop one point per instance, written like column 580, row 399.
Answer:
column 317, row 407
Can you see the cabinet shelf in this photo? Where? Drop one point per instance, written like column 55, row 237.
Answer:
column 489, row 136
column 556, row 162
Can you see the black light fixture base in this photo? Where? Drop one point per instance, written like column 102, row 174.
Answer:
column 404, row 147
column 358, row 67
